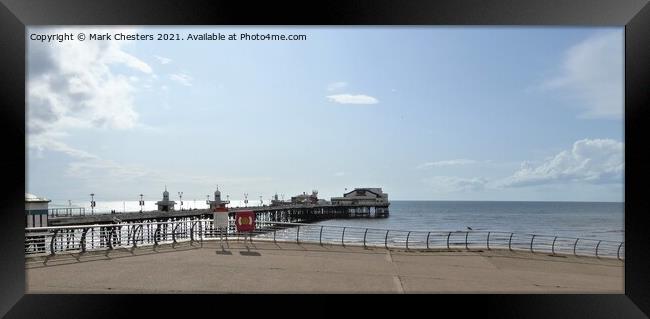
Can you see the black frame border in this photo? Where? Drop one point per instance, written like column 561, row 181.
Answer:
column 633, row 14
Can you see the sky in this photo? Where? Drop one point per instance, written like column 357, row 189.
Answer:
column 426, row 113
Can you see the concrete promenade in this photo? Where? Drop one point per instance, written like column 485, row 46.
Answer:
column 288, row 267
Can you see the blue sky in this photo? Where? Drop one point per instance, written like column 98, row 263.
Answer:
column 427, row 113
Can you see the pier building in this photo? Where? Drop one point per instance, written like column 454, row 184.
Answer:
column 305, row 198
column 36, row 209
column 218, row 205
column 165, row 205
column 362, row 196
column 366, row 200
column 277, row 202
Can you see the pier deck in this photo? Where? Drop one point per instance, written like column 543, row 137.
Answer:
column 286, row 267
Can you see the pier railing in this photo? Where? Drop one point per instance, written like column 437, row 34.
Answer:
column 83, row 238
column 66, row 211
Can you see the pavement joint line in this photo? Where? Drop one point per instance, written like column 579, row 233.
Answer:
column 388, row 256
column 398, row 284
column 396, row 279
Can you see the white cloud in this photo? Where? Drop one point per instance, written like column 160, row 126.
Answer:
column 46, row 141
column 131, row 61
column 352, row 99
column 76, row 85
column 84, row 165
column 73, row 85
column 452, row 184
column 163, row 60
column 336, row 86
column 592, row 75
column 181, row 78
column 447, row 163
column 104, row 170
column 595, row 161
column 88, row 167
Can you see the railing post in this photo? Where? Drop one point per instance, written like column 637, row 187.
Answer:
column 448, row 235
column 488, row 241
column 192, row 232
column 110, row 238
column 298, row 235
column 343, row 237
column 407, row 240
column 510, row 242
column 597, row 248
column 129, row 227
column 135, row 236
column 429, row 234
column 174, row 234
column 82, row 241
column 320, row 236
column 155, row 235
column 386, row 239
column 553, row 246
column 574, row 246
column 52, row 242
column 202, row 232
column 275, row 230
column 618, row 251
column 466, row 236
column 531, row 244
column 364, row 238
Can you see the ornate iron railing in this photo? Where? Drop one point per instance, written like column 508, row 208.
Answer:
column 82, row 238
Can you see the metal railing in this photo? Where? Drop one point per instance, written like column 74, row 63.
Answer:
column 82, row 238
column 66, row 211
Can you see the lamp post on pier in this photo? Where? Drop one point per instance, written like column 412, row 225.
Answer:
column 141, row 202
column 180, row 195
column 92, row 203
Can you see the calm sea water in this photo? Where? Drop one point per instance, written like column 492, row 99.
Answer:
column 571, row 219
column 596, row 220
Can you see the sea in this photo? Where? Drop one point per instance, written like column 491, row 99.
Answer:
column 593, row 220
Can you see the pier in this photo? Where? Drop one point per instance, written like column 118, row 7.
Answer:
column 299, row 213
column 303, row 208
